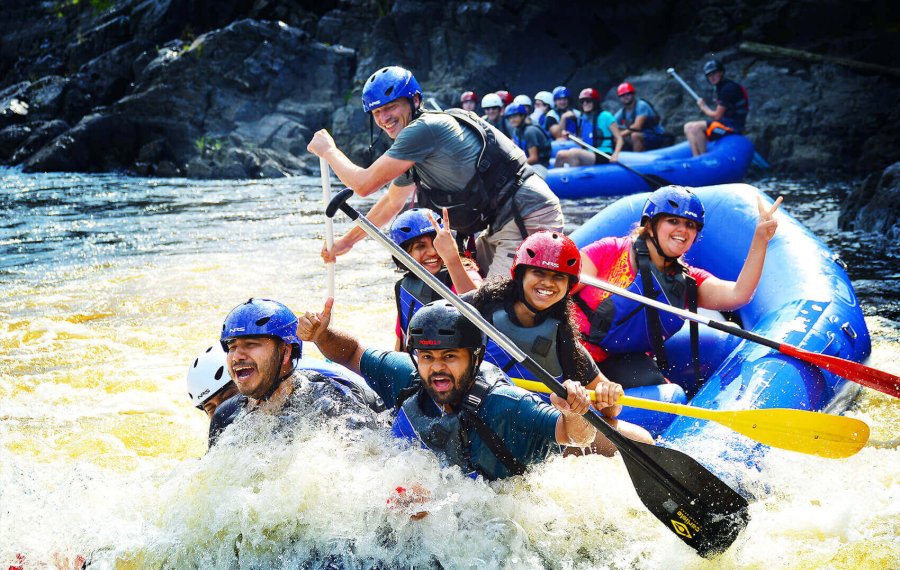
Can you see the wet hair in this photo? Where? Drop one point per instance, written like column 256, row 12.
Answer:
column 505, row 291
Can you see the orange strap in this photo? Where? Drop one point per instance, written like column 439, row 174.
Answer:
column 716, row 128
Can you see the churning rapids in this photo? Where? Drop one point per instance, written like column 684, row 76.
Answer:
column 109, row 286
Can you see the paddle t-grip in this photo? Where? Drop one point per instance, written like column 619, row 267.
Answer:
column 340, row 202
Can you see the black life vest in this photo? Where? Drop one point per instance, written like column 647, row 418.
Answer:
column 500, row 170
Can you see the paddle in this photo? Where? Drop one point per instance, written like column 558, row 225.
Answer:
column 329, row 224
column 803, row 431
column 652, row 180
column 692, row 502
column 854, row 371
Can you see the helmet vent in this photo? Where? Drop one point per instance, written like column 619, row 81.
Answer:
column 262, row 321
column 218, row 375
column 415, row 331
column 673, row 203
column 530, row 252
column 196, row 361
column 571, row 262
column 406, row 229
column 389, row 90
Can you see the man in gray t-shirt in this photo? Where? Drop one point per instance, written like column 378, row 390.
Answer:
column 444, row 154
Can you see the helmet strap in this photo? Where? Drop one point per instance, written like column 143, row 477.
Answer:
column 668, row 260
column 539, row 315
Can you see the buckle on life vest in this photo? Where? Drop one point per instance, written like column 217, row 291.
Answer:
column 717, row 130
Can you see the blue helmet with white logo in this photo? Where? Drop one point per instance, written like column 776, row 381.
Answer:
column 516, row 110
column 388, row 84
column 411, row 224
column 674, row 201
column 262, row 317
column 560, row 92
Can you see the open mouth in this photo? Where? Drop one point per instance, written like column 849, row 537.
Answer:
column 441, row 383
column 243, row 371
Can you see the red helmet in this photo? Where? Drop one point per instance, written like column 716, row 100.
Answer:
column 549, row 250
column 505, row 96
column 468, row 96
column 589, row 93
column 624, row 88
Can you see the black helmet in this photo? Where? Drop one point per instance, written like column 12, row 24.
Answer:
column 712, row 65
column 439, row 325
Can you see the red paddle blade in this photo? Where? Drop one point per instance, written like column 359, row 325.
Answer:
column 854, row 371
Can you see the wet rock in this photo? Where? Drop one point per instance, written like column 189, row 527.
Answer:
column 874, row 206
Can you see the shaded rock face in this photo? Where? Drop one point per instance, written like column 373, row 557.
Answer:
column 235, row 88
column 875, row 205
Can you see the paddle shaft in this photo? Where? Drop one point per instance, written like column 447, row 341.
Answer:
column 624, row 444
column 684, row 84
column 814, row 433
column 854, row 371
column 329, row 223
column 653, row 183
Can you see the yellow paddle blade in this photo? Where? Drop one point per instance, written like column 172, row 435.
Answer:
column 803, row 431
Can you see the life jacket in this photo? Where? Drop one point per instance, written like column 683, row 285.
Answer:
column 539, row 342
column 615, row 324
column 449, row 435
column 411, row 294
column 655, row 122
column 571, row 124
column 499, row 172
column 590, row 132
column 737, row 112
column 349, row 384
column 545, row 149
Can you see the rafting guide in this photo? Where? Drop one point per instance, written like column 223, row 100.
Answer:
column 452, row 160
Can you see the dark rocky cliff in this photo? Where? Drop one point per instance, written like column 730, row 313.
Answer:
column 234, row 88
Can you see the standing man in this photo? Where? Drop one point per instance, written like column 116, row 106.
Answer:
column 730, row 114
column 638, row 121
column 260, row 339
column 471, row 418
column 450, row 160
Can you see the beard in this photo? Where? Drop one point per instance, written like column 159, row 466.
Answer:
column 270, row 374
column 454, row 395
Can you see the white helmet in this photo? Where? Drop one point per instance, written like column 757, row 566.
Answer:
column 522, row 100
column 207, row 375
column 491, row 100
column 545, row 96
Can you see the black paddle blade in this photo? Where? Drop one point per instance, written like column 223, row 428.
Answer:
column 710, row 515
column 655, row 182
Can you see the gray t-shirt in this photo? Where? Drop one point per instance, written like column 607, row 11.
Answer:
column 446, row 153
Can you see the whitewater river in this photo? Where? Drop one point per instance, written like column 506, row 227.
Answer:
column 110, row 286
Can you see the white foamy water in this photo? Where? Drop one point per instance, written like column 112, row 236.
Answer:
column 110, row 286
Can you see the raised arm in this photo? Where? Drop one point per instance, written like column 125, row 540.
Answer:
column 445, row 246
column 381, row 213
column 364, row 181
column 719, row 294
column 337, row 346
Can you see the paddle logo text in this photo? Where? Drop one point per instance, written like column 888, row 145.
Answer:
column 685, row 525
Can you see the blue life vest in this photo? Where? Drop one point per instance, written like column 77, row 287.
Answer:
column 411, row 294
column 539, row 342
column 592, row 133
column 571, row 124
column 621, row 325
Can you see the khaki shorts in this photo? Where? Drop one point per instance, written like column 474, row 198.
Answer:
column 496, row 252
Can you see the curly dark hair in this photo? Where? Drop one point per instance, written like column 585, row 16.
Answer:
column 505, row 291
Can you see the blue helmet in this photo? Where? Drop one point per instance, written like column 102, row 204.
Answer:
column 410, row 225
column 560, row 92
column 712, row 66
column 516, row 110
column 262, row 317
column 674, row 201
column 388, row 84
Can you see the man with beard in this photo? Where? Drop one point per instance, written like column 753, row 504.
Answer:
column 264, row 360
column 467, row 414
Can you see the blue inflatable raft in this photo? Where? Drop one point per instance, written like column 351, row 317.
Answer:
column 726, row 160
column 804, row 298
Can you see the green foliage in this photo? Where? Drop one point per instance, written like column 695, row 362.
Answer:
column 207, row 145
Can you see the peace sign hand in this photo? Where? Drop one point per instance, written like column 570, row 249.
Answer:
column 444, row 243
column 767, row 224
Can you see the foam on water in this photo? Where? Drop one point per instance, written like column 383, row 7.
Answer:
column 101, row 453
